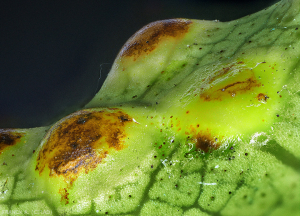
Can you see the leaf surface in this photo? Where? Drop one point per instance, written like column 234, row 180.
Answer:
column 195, row 118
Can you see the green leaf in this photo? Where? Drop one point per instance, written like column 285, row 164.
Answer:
column 194, row 118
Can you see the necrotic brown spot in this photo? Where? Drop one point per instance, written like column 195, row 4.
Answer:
column 203, row 140
column 146, row 40
column 8, row 138
column 81, row 141
column 206, row 142
column 262, row 97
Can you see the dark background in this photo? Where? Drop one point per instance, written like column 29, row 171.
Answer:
column 51, row 51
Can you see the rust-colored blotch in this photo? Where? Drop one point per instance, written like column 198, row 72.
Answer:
column 147, row 39
column 9, row 137
column 206, row 142
column 81, row 141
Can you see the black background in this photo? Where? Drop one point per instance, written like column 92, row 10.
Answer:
column 51, row 51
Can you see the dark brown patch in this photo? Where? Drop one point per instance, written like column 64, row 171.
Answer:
column 147, row 39
column 262, row 97
column 206, row 142
column 9, row 137
column 81, row 141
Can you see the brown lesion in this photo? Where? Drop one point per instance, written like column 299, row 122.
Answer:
column 203, row 139
column 242, row 82
column 262, row 97
column 82, row 141
column 64, row 195
column 206, row 142
column 147, row 39
column 8, row 138
column 241, row 86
